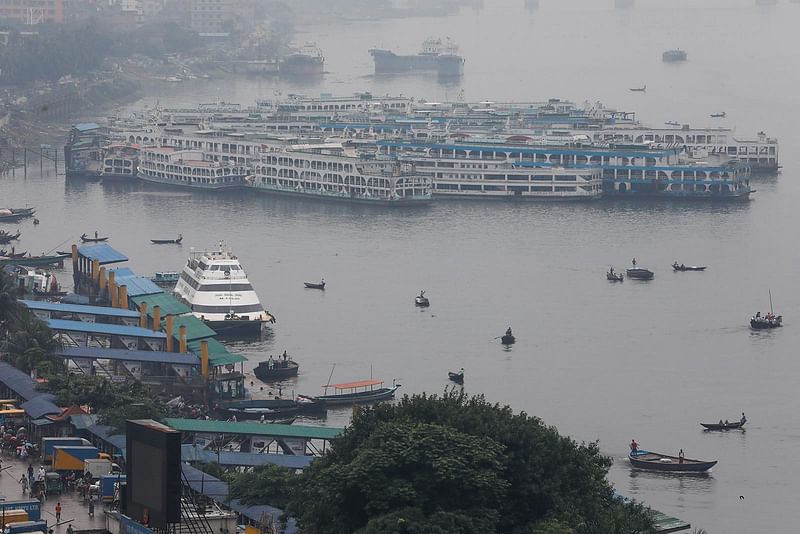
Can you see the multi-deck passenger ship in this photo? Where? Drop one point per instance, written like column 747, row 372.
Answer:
column 323, row 171
column 188, row 168
column 215, row 286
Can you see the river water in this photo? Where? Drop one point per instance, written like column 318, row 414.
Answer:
column 601, row 361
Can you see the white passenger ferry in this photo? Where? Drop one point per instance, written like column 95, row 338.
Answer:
column 215, row 286
column 488, row 179
column 188, row 168
column 325, row 172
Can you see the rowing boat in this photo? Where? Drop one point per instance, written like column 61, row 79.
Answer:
column 654, row 461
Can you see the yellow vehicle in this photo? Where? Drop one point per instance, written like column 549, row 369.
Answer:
column 9, row 411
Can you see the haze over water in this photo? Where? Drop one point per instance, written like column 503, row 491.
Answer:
column 600, row 361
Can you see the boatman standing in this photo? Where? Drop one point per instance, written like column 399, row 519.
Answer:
column 634, row 446
column 743, row 420
column 681, row 456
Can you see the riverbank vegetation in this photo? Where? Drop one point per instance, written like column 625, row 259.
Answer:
column 449, row 463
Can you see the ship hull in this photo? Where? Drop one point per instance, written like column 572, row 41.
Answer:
column 387, row 62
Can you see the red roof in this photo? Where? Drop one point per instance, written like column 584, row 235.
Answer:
column 359, row 384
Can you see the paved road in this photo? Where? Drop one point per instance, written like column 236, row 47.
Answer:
column 73, row 509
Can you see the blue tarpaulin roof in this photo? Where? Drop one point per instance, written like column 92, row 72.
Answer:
column 107, row 329
column 41, row 406
column 217, row 490
column 17, row 381
column 103, row 252
column 145, row 356
column 79, row 308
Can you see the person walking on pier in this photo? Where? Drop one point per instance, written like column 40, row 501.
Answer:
column 58, row 512
column 23, row 481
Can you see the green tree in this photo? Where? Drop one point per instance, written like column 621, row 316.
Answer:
column 30, row 346
column 509, row 472
column 268, row 483
column 9, row 307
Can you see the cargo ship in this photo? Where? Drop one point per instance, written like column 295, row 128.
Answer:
column 437, row 55
column 307, row 61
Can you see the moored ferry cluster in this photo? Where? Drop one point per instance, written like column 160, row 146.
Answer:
column 395, row 150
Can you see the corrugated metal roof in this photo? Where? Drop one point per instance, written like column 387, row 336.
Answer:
column 137, row 286
column 106, row 434
column 218, row 491
column 253, row 429
column 78, row 308
column 99, row 328
column 195, row 453
column 169, row 304
column 40, row 406
column 145, row 356
column 82, row 422
column 103, row 252
column 121, row 272
column 195, row 328
column 86, row 126
column 42, row 422
column 218, row 354
column 17, row 381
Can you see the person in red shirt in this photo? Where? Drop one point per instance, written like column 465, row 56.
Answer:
column 634, row 446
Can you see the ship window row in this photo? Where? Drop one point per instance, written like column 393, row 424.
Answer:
column 304, row 163
column 513, row 188
column 244, row 308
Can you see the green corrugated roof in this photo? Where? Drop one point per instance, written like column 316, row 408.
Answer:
column 218, row 354
column 169, row 305
column 253, row 429
column 195, row 328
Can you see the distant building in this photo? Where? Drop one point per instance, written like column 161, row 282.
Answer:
column 31, row 12
column 212, row 16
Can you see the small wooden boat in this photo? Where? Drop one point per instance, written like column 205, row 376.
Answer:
column 683, row 267
column 6, row 237
column 13, row 254
column 672, row 123
column 360, row 392
column 611, row 276
column 639, row 89
column 770, row 320
column 640, row 273
column 273, row 410
column 458, row 377
column 273, row 370
column 508, row 339
column 311, row 285
column 720, row 115
column 168, row 241
column 765, row 322
column 15, row 214
column 421, row 300
column 654, row 461
column 736, row 425
column 167, row 279
column 95, row 239
column 31, row 261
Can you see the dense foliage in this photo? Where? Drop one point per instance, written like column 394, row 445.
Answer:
column 453, row 464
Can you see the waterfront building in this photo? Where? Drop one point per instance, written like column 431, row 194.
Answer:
column 30, row 12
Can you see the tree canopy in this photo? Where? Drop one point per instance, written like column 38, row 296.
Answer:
column 453, row 464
